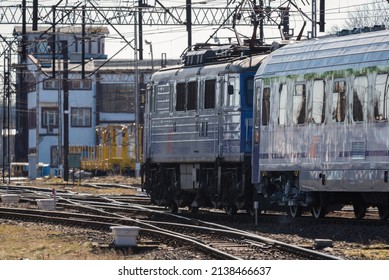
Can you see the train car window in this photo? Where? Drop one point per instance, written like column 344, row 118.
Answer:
column 318, row 102
column 266, row 106
column 210, row 94
column 249, row 88
column 192, row 96
column 282, row 105
column 359, row 98
column 299, row 99
column 380, row 95
column 180, row 97
column 339, row 101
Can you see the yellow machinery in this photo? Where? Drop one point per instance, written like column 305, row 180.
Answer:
column 115, row 153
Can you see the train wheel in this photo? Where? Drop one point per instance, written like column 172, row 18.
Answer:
column 383, row 211
column 359, row 210
column 295, row 211
column 231, row 210
column 194, row 209
column 251, row 211
column 173, row 208
column 318, row 211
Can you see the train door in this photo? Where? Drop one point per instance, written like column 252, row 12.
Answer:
column 246, row 95
column 255, row 172
column 207, row 118
column 147, row 125
column 231, row 130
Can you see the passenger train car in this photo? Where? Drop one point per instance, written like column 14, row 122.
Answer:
column 198, row 129
column 321, row 129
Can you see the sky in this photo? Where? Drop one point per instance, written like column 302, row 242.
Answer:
column 172, row 40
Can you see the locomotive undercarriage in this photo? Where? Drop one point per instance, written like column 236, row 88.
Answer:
column 207, row 185
column 281, row 190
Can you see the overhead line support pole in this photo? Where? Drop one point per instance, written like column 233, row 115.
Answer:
column 189, row 21
column 65, row 86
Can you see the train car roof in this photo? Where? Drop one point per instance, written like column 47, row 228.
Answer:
column 237, row 65
column 328, row 54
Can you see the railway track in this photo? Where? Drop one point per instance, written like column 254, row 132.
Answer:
column 204, row 231
column 216, row 241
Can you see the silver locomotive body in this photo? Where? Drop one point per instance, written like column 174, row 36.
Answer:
column 321, row 132
column 197, row 134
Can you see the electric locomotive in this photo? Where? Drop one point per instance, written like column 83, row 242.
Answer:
column 321, row 130
column 198, row 129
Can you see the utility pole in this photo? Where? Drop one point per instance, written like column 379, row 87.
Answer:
column 136, row 89
column 140, row 20
column 314, row 19
column 6, row 132
column 65, row 86
column 189, row 21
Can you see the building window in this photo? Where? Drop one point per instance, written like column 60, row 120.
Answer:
column 359, row 98
column 210, row 94
column 49, row 118
column 299, row 98
column 318, row 102
column 81, row 117
column 80, row 84
column 266, row 106
column 339, row 101
column 49, row 84
column 74, row 84
column 118, row 98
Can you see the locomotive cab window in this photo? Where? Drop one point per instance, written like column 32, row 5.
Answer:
column 180, row 97
column 192, row 96
column 318, row 102
column 359, row 98
column 266, row 106
column 210, row 94
column 299, row 99
column 381, row 101
column 186, row 96
column 338, row 105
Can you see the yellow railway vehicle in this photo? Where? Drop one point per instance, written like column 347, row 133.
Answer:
column 115, row 152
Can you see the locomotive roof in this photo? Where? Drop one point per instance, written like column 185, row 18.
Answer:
column 238, row 65
column 328, row 54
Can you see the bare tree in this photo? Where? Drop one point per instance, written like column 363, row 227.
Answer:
column 376, row 13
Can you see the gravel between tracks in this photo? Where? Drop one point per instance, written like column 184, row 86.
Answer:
column 349, row 242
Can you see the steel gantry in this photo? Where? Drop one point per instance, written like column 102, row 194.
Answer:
column 230, row 14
